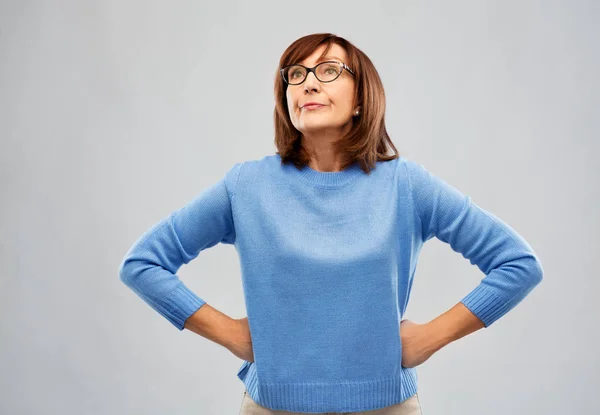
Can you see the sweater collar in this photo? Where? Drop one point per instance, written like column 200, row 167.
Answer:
column 321, row 178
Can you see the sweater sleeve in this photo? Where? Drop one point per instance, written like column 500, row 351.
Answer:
column 511, row 267
column 150, row 265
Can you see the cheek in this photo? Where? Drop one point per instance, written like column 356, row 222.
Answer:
column 291, row 104
column 342, row 99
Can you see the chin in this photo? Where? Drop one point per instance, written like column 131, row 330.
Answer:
column 314, row 126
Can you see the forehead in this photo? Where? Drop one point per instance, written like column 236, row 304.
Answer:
column 336, row 52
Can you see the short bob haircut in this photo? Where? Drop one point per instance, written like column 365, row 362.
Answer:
column 367, row 141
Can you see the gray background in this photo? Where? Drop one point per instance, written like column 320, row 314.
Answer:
column 115, row 113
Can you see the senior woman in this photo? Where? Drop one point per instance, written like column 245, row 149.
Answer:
column 328, row 231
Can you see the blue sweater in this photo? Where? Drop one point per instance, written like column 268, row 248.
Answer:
column 327, row 261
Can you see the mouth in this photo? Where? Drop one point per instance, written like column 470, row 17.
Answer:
column 312, row 106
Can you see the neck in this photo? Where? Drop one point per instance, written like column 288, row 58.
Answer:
column 320, row 146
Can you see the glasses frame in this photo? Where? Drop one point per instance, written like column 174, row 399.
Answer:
column 309, row 70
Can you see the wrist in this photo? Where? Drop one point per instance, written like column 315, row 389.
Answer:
column 453, row 325
column 438, row 335
column 231, row 334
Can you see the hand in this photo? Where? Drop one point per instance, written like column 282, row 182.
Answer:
column 241, row 345
column 417, row 343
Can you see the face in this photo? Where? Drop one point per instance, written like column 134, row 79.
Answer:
column 336, row 97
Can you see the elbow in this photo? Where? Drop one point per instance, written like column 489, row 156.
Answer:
column 127, row 274
column 124, row 275
column 134, row 268
column 132, row 265
column 536, row 272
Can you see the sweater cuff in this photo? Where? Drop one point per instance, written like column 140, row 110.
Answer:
column 180, row 304
column 486, row 304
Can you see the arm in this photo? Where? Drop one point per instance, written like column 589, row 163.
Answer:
column 149, row 267
column 210, row 323
column 420, row 341
column 453, row 325
column 510, row 265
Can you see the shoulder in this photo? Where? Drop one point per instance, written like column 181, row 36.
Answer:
column 247, row 170
column 405, row 165
column 416, row 174
column 254, row 166
column 407, row 170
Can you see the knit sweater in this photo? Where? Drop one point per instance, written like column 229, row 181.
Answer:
column 327, row 262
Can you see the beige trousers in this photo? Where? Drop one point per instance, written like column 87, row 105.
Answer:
column 410, row 406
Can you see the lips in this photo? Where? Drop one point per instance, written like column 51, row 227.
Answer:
column 312, row 105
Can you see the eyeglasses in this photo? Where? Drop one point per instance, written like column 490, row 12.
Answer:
column 325, row 72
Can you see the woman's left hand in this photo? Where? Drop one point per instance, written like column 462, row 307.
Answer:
column 418, row 343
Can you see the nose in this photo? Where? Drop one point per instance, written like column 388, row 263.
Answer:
column 311, row 83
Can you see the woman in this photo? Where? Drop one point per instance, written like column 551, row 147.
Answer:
column 328, row 231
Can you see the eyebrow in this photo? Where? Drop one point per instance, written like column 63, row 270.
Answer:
column 328, row 58
column 325, row 58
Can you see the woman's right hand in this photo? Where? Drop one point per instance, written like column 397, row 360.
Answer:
column 241, row 346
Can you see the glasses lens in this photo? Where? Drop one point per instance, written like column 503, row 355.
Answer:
column 294, row 74
column 328, row 71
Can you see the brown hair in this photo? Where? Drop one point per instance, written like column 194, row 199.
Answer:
column 367, row 141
